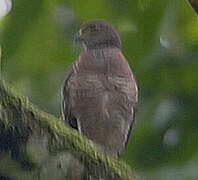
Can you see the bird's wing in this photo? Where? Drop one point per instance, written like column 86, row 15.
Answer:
column 134, row 99
column 65, row 106
column 127, row 93
column 134, row 109
column 129, row 132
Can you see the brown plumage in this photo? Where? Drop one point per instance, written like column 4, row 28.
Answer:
column 100, row 94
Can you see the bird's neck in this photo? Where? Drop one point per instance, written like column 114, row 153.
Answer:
column 105, row 51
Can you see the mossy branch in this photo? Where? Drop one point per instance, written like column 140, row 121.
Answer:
column 32, row 141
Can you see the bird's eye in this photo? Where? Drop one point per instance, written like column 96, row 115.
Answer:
column 92, row 28
column 86, row 30
column 89, row 29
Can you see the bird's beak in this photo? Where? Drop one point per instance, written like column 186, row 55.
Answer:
column 78, row 36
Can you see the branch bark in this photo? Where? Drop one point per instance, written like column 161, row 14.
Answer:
column 36, row 145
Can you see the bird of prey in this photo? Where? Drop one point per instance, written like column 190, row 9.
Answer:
column 100, row 94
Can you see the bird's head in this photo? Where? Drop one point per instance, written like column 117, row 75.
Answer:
column 98, row 34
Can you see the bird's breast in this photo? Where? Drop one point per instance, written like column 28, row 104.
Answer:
column 90, row 85
column 100, row 71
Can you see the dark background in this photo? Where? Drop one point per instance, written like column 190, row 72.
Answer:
column 160, row 41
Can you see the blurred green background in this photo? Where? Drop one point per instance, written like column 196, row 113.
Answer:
column 160, row 40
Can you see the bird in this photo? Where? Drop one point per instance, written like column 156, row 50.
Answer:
column 100, row 92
